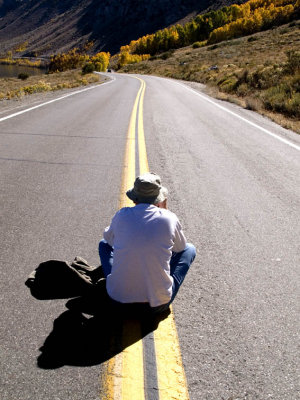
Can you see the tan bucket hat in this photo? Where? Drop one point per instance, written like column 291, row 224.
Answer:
column 147, row 189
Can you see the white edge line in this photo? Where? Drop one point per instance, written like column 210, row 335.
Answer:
column 241, row 118
column 54, row 100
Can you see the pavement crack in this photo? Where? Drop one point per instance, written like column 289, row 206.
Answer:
column 246, row 230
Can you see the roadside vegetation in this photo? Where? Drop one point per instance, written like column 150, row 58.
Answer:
column 79, row 59
column 16, row 88
column 65, row 70
column 12, row 57
column 253, row 64
column 212, row 27
column 8, row 60
column 260, row 72
column 73, row 59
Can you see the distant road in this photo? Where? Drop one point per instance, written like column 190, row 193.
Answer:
column 234, row 182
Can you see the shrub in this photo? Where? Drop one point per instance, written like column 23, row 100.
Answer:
column 262, row 78
column 281, row 98
column 23, row 76
column 215, row 46
column 167, row 54
column 101, row 61
column 41, row 86
column 98, row 67
column 243, row 77
column 295, row 82
column 253, row 103
column 292, row 106
column 88, row 68
column 65, row 61
column 293, row 62
column 126, row 58
column 252, row 39
column 242, row 89
column 283, row 31
column 196, row 45
column 229, row 84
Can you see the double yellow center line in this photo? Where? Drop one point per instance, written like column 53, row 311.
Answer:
column 158, row 353
column 129, row 167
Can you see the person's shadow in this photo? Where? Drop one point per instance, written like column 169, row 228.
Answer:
column 94, row 329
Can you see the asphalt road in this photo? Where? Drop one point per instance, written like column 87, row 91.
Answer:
column 234, row 187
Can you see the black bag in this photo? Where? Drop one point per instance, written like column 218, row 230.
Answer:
column 55, row 279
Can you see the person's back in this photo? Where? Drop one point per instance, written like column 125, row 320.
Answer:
column 143, row 237
column 144, row 253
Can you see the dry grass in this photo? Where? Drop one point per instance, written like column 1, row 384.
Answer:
column 255, row 104
column 21, row 61
column 232, row 67
column 14, row 87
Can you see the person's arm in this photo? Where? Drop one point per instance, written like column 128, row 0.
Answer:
column 108, row 233
column 179, row 239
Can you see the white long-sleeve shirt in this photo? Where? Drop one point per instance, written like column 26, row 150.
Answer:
column 143, row 238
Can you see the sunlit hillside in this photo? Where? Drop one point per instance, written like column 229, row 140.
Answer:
column 52, row 26
column 213, row 27
column 256, row 66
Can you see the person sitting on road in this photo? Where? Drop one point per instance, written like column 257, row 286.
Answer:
column 144, row 253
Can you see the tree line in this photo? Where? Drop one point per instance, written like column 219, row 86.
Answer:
column 212, row 27
column 76, row 58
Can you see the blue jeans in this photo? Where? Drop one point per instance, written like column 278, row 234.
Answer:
column 179, row 266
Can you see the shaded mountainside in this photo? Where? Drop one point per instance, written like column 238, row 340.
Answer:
column 51, row 26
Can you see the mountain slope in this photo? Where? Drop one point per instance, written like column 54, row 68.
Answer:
column 260, row 72
column 57, row 25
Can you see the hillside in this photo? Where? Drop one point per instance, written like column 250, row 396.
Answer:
column 259, row 72
column 51, row 26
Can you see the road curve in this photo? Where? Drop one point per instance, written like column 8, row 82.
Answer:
column 236, row 191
